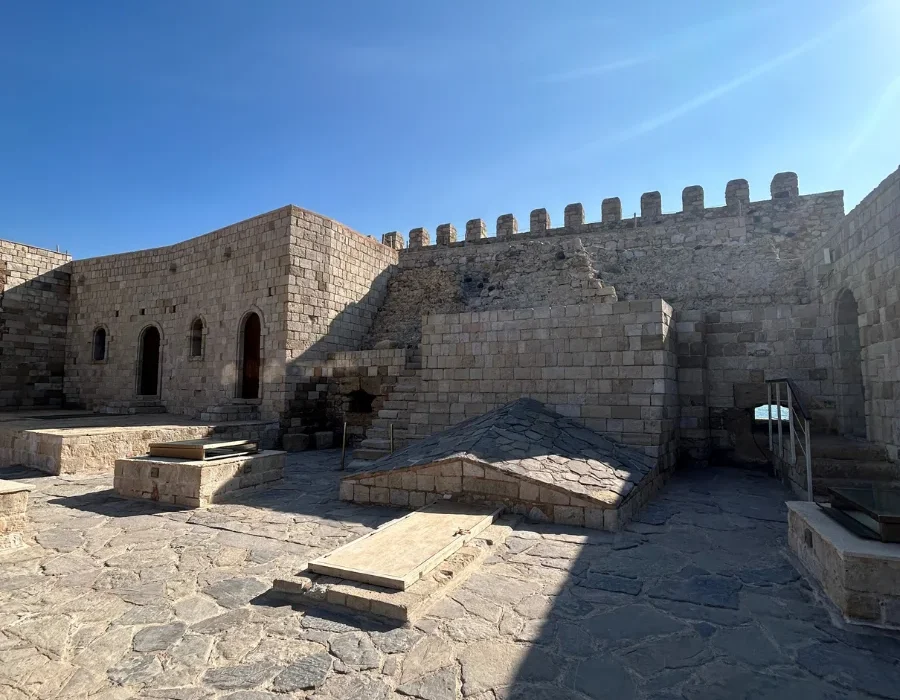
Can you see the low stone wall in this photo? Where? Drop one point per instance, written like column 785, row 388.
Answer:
column 468, row 482
column 861, row 577
column 92, row 444
column 196, row 483
column 13, row 506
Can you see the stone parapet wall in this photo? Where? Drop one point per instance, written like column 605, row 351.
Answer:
column 34, row 306
column 862, row 255
column 712, row 259
column 219, row 278
column 610, row 365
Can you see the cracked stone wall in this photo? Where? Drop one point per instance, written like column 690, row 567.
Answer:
column 862, row 255
column 219, row 278
column 610, row 365
column 34, row 306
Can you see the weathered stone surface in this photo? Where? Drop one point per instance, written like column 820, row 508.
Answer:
column 235, row 592
column 715, row 591
column 308, row 672
column 356, row 650
column 240, row 676
column 438, row 686
column 158, row 638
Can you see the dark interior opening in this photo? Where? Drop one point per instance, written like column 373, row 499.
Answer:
column 250, row 358
column 99, row 345
column 360, row 401
column 149, row 377
column 197, row 338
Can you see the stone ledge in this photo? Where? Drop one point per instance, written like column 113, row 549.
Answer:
column 861, row 577
column 317, row 590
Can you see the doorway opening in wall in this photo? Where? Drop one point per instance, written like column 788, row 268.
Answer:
column 761, row 413
column 848, row 381
column 360, row 401
column 98, row 353
column 250, row 357
column 148, row 362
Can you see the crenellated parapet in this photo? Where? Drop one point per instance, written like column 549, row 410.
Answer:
column 785, row 197
column 393, row 239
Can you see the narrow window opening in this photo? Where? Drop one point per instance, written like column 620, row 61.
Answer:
column 197, row 338
column 99, row 352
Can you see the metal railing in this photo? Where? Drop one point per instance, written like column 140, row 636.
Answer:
column 798, row 427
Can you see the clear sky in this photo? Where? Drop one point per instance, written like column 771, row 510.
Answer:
column 127, row 125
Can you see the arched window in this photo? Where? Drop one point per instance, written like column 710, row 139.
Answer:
column 98, row 354
column 197, row 338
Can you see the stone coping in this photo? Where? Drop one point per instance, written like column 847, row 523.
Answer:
column 7, row 486
column 201, row 463
column 845, row 542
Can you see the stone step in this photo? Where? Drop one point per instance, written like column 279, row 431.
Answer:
column 372, row 443
column 382, row 433
column 846, row 448
column 825, row 468
column 401, row 424
column 368, row 454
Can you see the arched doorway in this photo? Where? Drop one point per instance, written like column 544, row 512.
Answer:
column 848, row 380
column 250, row 357
column 148, row 362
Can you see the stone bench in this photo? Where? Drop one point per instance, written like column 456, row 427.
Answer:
column 13, row 504
column 196, row 483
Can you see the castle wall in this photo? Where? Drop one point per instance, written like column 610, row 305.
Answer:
column 611, row 365
column 218, row 277
column 34, row 305
column 742, row 255
column 337, row 279
column 862, row 255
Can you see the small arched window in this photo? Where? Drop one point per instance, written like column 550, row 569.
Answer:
column 197, row 338
column 98, row 353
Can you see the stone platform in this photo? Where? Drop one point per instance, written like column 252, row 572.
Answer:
column 196, row 483
column 860, row 576
column 77, row 442
column 343, row 595
column 523, row 456
column 13, row 506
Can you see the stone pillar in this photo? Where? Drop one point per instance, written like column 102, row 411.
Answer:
column 446, row 234
column 737, row 196
column 419, row 238
column 692, row 200
column 539, row 220
column 393, row 240
column 507, row 226
column 651, row 205
column 611, row 209
column 574, row 215
column 785, row 186
column 476, row 229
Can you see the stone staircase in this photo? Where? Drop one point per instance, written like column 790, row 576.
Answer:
column 397, row 410
column 226, row 413
column 846, row 461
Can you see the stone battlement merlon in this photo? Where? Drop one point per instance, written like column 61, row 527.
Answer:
column 784, row 190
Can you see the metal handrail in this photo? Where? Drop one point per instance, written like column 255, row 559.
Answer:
column 798, row 432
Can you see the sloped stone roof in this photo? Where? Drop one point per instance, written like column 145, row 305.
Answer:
column 527, row 439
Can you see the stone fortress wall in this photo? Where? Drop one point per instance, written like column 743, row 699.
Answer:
column 857, row 266
column 34, row 302
column 218, row 277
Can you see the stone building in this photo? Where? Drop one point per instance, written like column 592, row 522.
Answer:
column 658, row 330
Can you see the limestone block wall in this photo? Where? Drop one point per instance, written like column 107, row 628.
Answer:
column 739, row 255
column 337, row 281
column 34, row 306
column 611, row 365
column 499, row 274
column 219, row 278
column 861, row 255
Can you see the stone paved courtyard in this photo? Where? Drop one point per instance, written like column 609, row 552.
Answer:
column 695, row 599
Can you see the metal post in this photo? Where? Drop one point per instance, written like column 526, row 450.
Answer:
column 809, row 486
column 778, row 404
column 343, row 445
column 790, row 397
column 769, row 405
column 391, row 436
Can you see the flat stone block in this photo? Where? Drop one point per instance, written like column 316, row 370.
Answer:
column 324, row 439
column 861, row 577
column 196, row 483
column 295, row 442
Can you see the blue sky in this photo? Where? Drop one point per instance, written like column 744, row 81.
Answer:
column 127, row 125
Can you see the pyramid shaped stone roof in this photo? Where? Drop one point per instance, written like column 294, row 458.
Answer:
column 527, row 439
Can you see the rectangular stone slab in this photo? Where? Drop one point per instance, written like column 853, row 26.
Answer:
column 200, row 449
column 399, row 553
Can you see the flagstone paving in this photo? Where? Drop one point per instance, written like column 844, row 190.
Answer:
column 695, row 599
